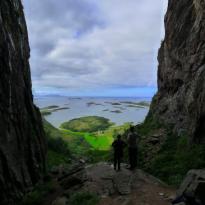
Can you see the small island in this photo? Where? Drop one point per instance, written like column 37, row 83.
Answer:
column 119, row 108
column 52, row 108
column 135, row 106
column 93, row 103
column 116, row 111
column 105, row 110
column 141, row 104
column 87, row 124
column 113, row 103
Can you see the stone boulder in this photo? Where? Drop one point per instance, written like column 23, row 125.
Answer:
column 192, row 189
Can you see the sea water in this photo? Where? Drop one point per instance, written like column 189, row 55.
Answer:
column 119, row 113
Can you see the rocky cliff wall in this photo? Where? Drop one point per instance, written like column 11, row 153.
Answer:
column 180, row 101
column 22, row 147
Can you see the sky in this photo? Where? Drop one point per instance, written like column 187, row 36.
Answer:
column 95, row 47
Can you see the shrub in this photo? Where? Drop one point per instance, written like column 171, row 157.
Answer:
column 38, row 194
column 176, row 158
column 148, row 126
column 84, row 198
column 58, row 150
column 58, row 145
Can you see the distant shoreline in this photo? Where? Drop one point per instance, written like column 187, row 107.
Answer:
column 90, row 97
column 59, row 109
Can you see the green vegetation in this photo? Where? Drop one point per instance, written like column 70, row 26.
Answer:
column 50, row 130
column 50, row 107
column 144, row 103
column 148, row 126
column 176, row 156
column 58, row 149
column 94, row 146
column 170, row 164
column 77, row 144
column 135, row 106
column 84, row 198
column 95, row 156
column 93, row 103
column 99, row 142
column 65, row 144
column 53, row 108
column 60, row 108
column 45, row 112
column 115, row 103
column 140, row 104
column 87, row 124
column 39, row 193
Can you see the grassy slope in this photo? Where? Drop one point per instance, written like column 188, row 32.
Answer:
column 96, row 140
column 176, row 156
column 170, row 164
column 63, row 145
column 58, row 149
column 95, row 146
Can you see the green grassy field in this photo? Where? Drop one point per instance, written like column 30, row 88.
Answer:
column 94, row 146
column 100, row 140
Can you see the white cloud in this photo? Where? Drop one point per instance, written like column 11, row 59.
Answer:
column 88, row 44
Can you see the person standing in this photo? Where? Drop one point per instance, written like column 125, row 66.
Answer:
column 132, row 140
column 118, row 146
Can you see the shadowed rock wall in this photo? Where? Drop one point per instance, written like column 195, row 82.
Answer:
column 22, row 147
column 180, row 101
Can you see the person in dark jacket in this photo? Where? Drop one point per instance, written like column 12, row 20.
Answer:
column 118, row 146
column 133, row 140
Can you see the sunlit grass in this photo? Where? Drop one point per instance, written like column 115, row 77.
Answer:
column 94, row 146
column 100, row 140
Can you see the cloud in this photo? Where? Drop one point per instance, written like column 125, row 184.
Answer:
column 90, row 44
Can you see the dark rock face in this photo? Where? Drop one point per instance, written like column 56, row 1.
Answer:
column 22, row 147
column 181, row 73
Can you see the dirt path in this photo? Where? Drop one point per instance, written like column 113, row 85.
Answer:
column 147, row 194
column 114, row 188
column 131, row 187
